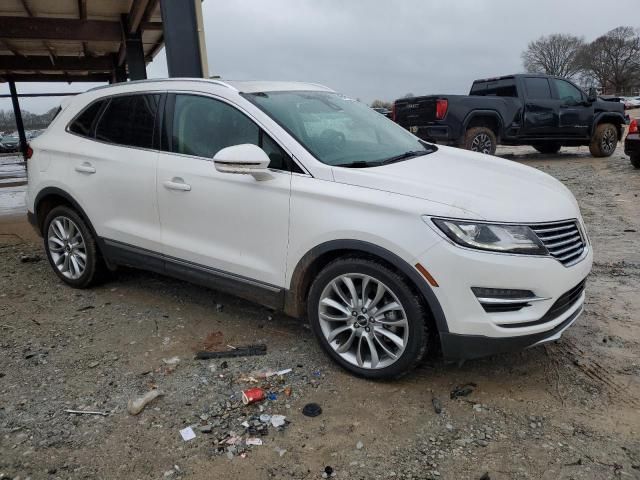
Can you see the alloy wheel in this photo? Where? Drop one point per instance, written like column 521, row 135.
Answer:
column 609, row 140
column 481, row 143
column 67, row 247
column 363, row 321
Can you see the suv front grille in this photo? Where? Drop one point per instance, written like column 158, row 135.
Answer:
column 563, row 240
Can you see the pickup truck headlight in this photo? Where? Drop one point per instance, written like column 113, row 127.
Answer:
column 491, row 236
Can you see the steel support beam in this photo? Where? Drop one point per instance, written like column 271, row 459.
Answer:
column 186, row 56
column 51, row 77
column 36, row 28
column 135, row 57
column 46, row 63
column 18, row 116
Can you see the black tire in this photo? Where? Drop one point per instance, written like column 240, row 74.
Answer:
column 547, row 148
column 419, row 330
column 635, row 161
column 604, row 140
column 94, row 267
column 480, row 139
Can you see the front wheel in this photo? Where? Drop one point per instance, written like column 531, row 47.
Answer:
column 604, row 140
column 367, row 318
column 480, row 139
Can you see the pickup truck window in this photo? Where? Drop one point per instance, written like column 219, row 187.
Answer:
column 537, row 88
column 505, row 87
column 567, row 92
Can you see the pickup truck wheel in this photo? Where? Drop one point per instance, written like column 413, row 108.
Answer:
column 480, row 139
column 604, row 140
column 635, row 161
column 547, row 147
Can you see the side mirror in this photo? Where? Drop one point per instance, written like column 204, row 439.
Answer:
column 593, row 95
column 246, row 158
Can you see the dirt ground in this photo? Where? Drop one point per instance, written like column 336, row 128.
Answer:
column 568, row 410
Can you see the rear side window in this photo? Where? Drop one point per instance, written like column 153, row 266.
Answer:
column 538, row 88
column 505, row 87
column 83, row 124
column 129, row 120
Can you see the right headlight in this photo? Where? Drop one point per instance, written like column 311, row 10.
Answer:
column 493, row 237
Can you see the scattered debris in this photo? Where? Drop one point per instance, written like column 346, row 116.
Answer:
column 187, row 434
column 281, row 451
column 287, row 391
column 328, row 472
column 134, row 407
column 219, row 307
column 93, row 364
column 171, row 361
column 278, row 420
column 245, row 351
column 312, row 410
column 253, row 395
column 437, row 406
column 253, row 441
column 86, row 412
column 84, row 309
column 359, row 445
column 463, row 390
column 30, row 258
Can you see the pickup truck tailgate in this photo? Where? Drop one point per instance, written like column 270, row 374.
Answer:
column 414, row 112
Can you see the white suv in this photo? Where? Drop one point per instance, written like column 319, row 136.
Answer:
column 308, row 201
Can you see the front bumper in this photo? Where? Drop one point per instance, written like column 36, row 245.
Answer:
column 474, row 332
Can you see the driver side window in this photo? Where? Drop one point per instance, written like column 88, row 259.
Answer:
column 568, row 92
column 202, row 126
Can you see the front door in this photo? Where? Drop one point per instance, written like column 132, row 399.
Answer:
column 229, row 225
column 575, row 114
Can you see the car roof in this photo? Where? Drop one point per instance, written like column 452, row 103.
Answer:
column 252, row 86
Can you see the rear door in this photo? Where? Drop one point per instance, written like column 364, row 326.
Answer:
column 540, row 108
column 113, row 168
column 227, row 225
column 575, row 114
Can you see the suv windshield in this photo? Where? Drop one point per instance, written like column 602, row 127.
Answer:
column 340, row 131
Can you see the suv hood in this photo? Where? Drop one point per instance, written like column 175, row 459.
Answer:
column 488, row 188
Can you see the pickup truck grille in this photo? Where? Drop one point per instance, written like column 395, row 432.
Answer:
column 564, row 240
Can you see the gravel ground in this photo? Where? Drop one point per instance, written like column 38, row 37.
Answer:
column 568, row 410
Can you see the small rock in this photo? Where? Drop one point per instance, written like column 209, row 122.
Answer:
column 359, row 445
column 94, row 364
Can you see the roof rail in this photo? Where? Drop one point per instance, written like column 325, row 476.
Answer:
column 156, row 80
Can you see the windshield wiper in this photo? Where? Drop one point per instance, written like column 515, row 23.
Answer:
column 358, row 164
column 405, row 155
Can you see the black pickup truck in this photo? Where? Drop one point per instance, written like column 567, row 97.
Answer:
column 526, row 109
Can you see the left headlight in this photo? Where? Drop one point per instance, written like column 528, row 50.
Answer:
column 491, row 236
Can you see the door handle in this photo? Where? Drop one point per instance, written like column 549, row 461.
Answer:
column 85, row 167
column 177, row 183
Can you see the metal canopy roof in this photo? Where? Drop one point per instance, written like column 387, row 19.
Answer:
column 73, row 40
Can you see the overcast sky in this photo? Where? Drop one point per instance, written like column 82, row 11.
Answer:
column 377, row 48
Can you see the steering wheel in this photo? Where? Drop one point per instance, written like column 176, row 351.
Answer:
column 333, row 139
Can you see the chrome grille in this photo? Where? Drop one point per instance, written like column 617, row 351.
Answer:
column 564, row 240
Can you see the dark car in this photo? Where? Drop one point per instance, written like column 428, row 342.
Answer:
column 539, row 110
column 9, row 144
column 632, row 143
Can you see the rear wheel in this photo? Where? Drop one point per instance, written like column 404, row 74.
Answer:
column 480, row 139
column 71, row 248
column 367, row 318
column 635, row 161
column 604, row 140
column 547, row 148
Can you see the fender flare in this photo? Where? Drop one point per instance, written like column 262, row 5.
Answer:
column 617, row 117
column 293, row 298
column 484, row 113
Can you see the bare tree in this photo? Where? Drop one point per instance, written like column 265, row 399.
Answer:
column 381, row 104
column 613, row 60
column 555, row 54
